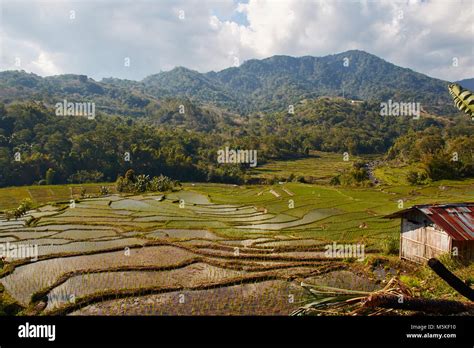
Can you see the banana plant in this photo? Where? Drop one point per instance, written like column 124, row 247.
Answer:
column 463, row 99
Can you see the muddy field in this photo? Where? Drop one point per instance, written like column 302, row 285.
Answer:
column 118, row 255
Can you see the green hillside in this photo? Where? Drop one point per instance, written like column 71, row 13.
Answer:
column 257, row 85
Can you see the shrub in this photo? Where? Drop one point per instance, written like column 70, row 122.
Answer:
column 300, row 179
column 441, row 167
column 391, row 246
column 162, row 183
column 130, row 175
column 50, row 176
column 142, row 183
column 126, row 183
column 335, row 180
column 356, row 176
column 359, row 172
column 120, row 184
column 104, row 190
column 417, row 178
column 412, row 282
column 272, row 181
column 85, row 176
column 25, row 205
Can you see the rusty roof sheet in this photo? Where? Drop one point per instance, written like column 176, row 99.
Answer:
column 456, row 219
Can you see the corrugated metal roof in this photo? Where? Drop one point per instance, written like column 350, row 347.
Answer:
column 456, row 219
column 456, row 222
column 427, row 211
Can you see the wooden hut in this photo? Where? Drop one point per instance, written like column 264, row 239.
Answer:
column 431, row 230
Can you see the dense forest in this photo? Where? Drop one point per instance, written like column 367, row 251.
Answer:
column 39, row 147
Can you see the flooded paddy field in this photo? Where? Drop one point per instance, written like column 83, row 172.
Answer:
column 205, row 250
column 274, row 297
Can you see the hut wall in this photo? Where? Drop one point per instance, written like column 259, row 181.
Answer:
column 421, row 240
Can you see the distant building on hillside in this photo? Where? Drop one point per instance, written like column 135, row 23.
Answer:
column 431, row 230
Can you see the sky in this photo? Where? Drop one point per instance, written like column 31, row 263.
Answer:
column 135, row 38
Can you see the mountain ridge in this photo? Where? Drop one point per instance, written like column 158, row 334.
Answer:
column 267, row 84
column 467, row 83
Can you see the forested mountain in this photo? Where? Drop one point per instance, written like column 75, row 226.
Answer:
column 183, row 82
column 467, row 83
column 124, row 98
column 278, row 81
column 257, row 85
column 281, row 80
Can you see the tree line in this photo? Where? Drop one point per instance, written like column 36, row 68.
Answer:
column 38, row 147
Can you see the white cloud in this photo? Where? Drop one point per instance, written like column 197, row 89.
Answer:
column 422, row 35
column 45, row 65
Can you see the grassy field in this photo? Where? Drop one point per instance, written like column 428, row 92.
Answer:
column 319, row 168
column 394, row 175
column 10, row 197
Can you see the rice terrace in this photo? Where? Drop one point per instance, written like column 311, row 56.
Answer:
column 205, row 249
